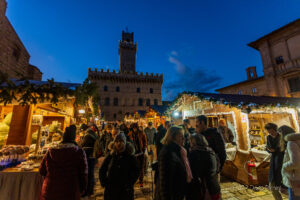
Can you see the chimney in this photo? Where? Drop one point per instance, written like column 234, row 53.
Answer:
column 251, row 73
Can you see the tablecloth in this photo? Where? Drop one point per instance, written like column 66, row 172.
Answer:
column 260, row 155
column 20, row 185
column 230, row 152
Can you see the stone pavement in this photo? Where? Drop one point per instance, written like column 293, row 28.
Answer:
column 230, row 190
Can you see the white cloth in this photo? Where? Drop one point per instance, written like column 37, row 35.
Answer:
column 291, row 162
column 231, row 152
column 259, row 155
column 20, row 185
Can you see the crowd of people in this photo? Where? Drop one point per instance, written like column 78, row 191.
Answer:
column 187, row 160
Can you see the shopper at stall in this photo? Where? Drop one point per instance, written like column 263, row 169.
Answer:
column 140, row 143
column 161, row 132
column 225, row 131
column 88, row 145
column 64, row 168
column 213, row 137
column 277, row 154
column 119, row 171
column 204, row 164
column 291, row 163
column 173, row 168
column 150, row 132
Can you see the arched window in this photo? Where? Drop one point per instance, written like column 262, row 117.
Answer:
column 148, row 102
column 140, row 102
column 116, row 101
column 117, row 89
column 105, row 88
column 138, row 90
column 151, row 90
column 106, row 101
column 155, row 102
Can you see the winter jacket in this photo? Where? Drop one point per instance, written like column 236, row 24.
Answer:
column 65, row 170
column 204, row 166
column 118, row 174
column 140, row 141
column 276, row 160
column 216, row 142
column 291, row 162
column 172, row 174
column 150, row 133
column 88, row 143
column 161, row 132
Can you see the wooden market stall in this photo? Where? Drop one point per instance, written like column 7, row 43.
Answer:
column 247, row 161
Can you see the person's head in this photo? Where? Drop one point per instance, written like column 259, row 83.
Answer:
column 201, row 123
column 120, row 143
column 135, row 127
column 271, row 128
column 141, row 128
column 222, row 122
column 174, row 134
column 150, row 124
column 115, row 131
column 167, row 124
column 108, row 127
column 198, row 140
column 186, row 123
column 284, row 131
column 83, row 127
column 70, row 134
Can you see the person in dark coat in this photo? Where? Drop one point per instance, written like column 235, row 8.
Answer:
column 64, row 168
column 213, row 137
column 87, row 145
column 161, row 132
column 276, row 160
column 139, row 139
column 172, row 171
column 188, row 130
column 119, row 171
column 204, row 165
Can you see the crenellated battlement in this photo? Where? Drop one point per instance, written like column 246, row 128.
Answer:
column 124, row 75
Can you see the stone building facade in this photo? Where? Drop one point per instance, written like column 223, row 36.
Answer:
column 280, row 54
column 126, row 91
column 14, row 58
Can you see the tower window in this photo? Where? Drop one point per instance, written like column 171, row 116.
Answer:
column 116, row 101
column 16, row 53
column 117, row 89
column 115, row 116
column 155, row 102
column 240, row 92
column 294, row 84
column 148, row 102
column 279, row 60
column 151, row 90
column 107, row 101
column 138, row 90
column 140, row 102
column 254, row 90
column 105, row 88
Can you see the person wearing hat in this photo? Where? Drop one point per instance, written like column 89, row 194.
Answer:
column 119, row 170
column 64, row 168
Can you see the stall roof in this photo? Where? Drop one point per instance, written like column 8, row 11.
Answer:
column 71, row 86
column 237, row 100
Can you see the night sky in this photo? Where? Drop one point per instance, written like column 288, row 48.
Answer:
column 197, row 45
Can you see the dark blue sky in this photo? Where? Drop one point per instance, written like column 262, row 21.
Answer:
column 197, row 45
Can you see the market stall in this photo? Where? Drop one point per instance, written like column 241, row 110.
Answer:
column 30, row 123
column 245, row 116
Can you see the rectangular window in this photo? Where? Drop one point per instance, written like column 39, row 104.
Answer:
column 155, row 102
column 254, row 90
column 107, row 101
column 294, row 84
column 240, row 92
column 140, row 102
column 116, row 101
column 138, row 90
column 279, row 60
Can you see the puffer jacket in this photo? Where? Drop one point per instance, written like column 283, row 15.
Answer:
column 291, row 162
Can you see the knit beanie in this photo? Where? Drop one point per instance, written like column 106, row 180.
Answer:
column 120, row 136
column 70, row 134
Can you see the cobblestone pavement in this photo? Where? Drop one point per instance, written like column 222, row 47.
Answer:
column 230, row 190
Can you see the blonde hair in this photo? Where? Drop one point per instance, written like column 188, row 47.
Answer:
column 172, row 132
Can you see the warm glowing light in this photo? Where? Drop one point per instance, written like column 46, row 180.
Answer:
column 81, row 111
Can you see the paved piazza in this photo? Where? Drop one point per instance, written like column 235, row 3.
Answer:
column 230, row 190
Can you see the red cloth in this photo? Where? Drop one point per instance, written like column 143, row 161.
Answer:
column 65, row 170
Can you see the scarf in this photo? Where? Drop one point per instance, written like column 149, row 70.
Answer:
column 183, row 153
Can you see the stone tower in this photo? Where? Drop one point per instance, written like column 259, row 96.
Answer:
column 3, row 6
column 127, row 52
